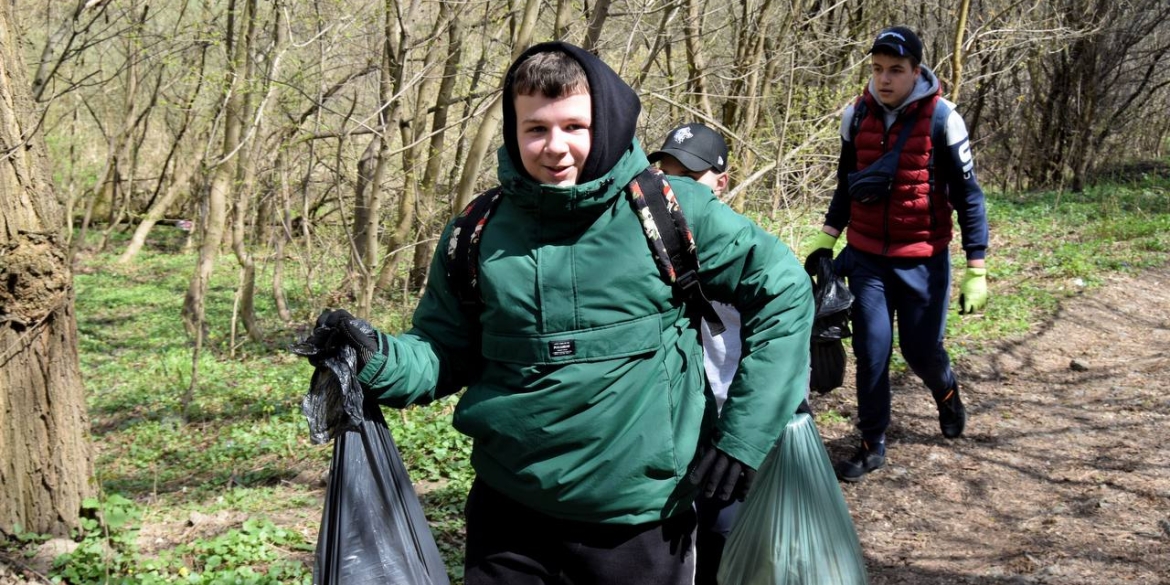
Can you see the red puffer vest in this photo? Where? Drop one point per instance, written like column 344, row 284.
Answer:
column 915, row 221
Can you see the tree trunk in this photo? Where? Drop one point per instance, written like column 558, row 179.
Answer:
column 184, row 171
column 45, row 463
column 458, row 166
column 491, row 119
column 563, row 18
column 696, row 63
column 413, row 134
column 661, row 43
column 957, row 58
column 246, row 178
column 596, row 23
column 218, row 195
column 282, row 238
column 422, row 253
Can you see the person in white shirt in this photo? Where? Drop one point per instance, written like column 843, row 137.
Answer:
column 700, row 153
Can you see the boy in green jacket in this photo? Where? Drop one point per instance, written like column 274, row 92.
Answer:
column 586, row 397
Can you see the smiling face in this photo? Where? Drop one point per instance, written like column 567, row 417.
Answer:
column 893, row 78
column 554, row 136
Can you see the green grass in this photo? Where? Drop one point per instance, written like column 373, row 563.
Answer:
column 1049, row 246
column 242, row 442
column 242, row 446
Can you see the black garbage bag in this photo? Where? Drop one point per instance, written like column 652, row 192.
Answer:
column 828, row 366
column 830, row 325
column 372, row 529
column 832, row 299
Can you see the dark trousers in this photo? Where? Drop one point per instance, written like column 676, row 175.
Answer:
column 916, row 292
column 715, row 520
column 511, row 544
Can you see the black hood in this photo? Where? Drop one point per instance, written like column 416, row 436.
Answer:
column 615, row 112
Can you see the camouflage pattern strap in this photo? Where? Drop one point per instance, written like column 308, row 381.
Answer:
column 671, row 242
column 463, row 246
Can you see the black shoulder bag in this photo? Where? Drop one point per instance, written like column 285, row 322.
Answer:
column 875, row 182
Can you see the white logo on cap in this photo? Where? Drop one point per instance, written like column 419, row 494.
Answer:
column 683, row 134
column 719, row 161
column 892, row 34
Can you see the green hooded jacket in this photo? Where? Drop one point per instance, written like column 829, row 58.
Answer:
column 586, row 396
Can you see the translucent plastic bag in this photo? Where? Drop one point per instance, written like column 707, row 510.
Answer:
column 794, row 527
column 372, row 529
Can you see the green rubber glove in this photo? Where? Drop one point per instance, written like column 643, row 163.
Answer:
column 820, row 240
column 973, row 290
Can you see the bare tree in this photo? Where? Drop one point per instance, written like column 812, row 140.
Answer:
column 187, row 160
column 596, row 23
column 414, row 136
column 319, row 160
column 215, row 218
column 957, row 58
column 489, row 125
column 120, row 138
column 696, row 61
column 436, row 149
column 250, row 154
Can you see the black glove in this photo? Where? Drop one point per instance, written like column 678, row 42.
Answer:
column 339, row 326
column 721, row 476
column 814, row 258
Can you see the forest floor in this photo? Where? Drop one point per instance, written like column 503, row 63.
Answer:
column 1063, row 473
column 1062, row 476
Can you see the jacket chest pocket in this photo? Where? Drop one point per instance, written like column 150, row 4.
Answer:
column 619, row 340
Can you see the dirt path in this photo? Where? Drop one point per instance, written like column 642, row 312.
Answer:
column 1063, row 475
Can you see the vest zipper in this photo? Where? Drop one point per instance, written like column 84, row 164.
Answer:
column 886, row 207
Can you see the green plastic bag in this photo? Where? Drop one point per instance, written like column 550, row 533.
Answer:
column 794, row 527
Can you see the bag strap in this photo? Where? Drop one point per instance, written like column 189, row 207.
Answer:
column 938, row 137
column 907, row 128
column 671, row 242
column 860, row 109
column 463, row 248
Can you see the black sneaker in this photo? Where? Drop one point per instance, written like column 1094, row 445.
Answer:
column 866, row 459
column 952, row 416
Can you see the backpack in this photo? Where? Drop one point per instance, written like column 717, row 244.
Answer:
column 670, row 240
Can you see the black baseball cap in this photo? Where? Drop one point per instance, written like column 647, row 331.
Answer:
column 899, row 40
column 696, row 146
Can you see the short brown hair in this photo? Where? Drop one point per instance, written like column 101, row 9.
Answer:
column 551, row 73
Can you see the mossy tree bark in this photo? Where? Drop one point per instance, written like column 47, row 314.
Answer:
column 45, row 462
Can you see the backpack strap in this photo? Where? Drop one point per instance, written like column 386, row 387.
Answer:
column 938, row 137
column 463, row 247
column 671, row 242
column 860, row 109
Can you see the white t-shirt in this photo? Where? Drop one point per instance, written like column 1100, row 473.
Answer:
column 721, row 352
